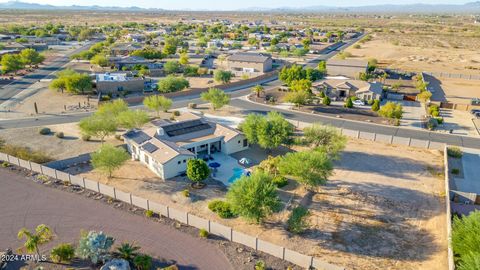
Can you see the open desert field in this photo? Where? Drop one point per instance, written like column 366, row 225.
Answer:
column 454, row 90
column 420, row 56
column 384, row 208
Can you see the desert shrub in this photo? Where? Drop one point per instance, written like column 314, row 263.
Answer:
column 59, row 135
column 454, row 152
column 186, row 193
column 203, row 233
column 434, row 110
column 455, row 171
column 326, row 100
column 221, row 208
column 357, row 46
column 62, row 253
column 297, row 222
column 44, row 131
column 466, row 240
column 435, row 113
column 118, row 137
column 171, row 267
column 25, row 153
column 86, row 138
column 280, row 181
column 176, row 113
column 192, row 105
column 143, row 262
column 439, row 120
column 5, row 164
column 348, row 103
column 260, row 265
column 149, row 213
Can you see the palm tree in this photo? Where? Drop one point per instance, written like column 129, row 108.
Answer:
column 127, row 252
column 43, row 234
column 258, row 89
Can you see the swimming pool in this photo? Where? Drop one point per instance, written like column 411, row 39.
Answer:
column 237, row 173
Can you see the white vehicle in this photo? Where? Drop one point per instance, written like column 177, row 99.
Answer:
column 358, row 102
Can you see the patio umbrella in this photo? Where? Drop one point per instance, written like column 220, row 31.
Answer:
column 245, row 161
column 214, row 165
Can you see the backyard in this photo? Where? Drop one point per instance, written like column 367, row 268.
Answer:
column 368, row 216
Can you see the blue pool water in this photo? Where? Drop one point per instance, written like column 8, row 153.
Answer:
column 237, row 173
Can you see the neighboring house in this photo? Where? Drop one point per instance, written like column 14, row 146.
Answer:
column 341, row 89
column 124, row 48
column 349, row 67
column 128, row 62
column 249, row 63
column 115, row 83
column 166, row 146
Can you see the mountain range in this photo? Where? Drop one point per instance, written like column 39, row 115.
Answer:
column 473, row 7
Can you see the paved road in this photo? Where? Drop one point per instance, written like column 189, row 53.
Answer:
column 27, row 204
column 44, row 72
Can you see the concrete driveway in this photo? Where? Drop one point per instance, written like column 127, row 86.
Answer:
column 28, row 204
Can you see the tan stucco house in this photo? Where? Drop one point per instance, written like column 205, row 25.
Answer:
column 249, row 63
column 165, row 147
column 340, row 89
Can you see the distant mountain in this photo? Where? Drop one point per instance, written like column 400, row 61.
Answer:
column 33, row 6
column 472, row 8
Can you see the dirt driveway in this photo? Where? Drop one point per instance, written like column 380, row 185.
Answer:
column 26, row 204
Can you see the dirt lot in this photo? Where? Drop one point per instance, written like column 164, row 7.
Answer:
column 383, row 208
column 417, row 57
column 457, row 91
column 71, row 145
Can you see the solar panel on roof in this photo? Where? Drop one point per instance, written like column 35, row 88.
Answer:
column 149, row 147
column 185, row 127
column 137, row 136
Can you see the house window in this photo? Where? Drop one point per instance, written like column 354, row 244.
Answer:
column 245, row 143
column 146, row 159
column 179, row 162
column 239, row 141
column 184, row 161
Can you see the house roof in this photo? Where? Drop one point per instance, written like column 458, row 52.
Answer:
column 249, row 57
column 352, row 85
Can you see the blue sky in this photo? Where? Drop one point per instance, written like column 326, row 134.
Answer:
column 232, row 5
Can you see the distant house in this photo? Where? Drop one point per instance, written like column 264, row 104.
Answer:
column 249, row 63
column 341, row 89
column 349, row 67
column 128, row 62
column 115, row 83
column 165, row 147
column 124, row 48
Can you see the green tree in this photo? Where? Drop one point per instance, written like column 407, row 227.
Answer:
column 348, row 103
column 297, row 222
column 112, row 109
column 376, row 105
column 222, row 76
column 42, row 235
column 78, row 83
column 322, row 67
column 268, row 131
column 109, row 158
column 59, row 84
column 98, row 126
column 293, row 73
column 326, row 100
column 100, row 59
column 158, row 103
column 391, row 111
column 218, row 98
column 254, row 197
column 184, row 58
column 424, row 96
column 310, row 168
column 171, row 67
column 143, row 262
column 301, row 85
column 132, row 119
column 466, row 240
column 170, row 46
column 31, row 57
column 258, row 89
column 172, row 84
column 326, row 137
column 197, row 171
column 298, row 98
column 11, row 63
column 127, row 252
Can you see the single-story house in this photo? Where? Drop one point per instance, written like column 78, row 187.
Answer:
column 117, row 82
column 165, row 147
column 349, row 67
column 340, row 89
column 124, row 48
column 249, row 63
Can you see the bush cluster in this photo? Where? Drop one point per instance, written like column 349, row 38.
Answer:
column 280, row 181
column 454, row 152
column 221, row 208
column 297, row 222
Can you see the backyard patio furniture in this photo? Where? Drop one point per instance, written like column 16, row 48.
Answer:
column 245, row 161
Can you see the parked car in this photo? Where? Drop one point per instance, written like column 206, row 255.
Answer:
column 475, row 111
column 358, row 102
